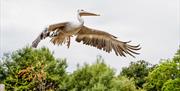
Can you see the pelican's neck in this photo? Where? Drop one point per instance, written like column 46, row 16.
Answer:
column 80, row 19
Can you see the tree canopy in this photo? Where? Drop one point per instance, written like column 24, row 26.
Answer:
column 168, row 71
column 31, row 69
column 138, row 71
column 38, row 69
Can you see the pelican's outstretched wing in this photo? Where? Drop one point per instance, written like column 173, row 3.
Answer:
column 41, row 36
column 54, row 29
column 105, row 41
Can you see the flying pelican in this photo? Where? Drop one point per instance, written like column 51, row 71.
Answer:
column 62, row 32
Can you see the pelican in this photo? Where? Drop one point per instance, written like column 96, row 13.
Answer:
column 62, row 32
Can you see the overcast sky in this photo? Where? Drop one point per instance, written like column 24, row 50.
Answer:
column 152, row 23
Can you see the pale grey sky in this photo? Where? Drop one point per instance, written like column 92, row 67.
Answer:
column 152, row 23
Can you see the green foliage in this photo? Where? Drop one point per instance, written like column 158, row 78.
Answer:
column 2, row 73
column 167, row 70
column 122, row 84
column 172, row 85
column 31, row 69
column 137, row 71
column 98, row 77
column 95, row 77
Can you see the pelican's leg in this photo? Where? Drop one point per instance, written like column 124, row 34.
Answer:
column 69, row 41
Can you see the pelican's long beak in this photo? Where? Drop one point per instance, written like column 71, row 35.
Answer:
column 84, row 13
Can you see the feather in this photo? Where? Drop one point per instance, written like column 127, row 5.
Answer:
column 106, row 42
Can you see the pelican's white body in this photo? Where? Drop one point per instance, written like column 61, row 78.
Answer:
column 73, row 28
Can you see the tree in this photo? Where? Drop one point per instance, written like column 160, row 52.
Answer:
column 95, row 77
column 33, row 69
column 98, row 77
column 137, row 71
column 164, row 74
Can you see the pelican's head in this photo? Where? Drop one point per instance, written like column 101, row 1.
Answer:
column 81, row 12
